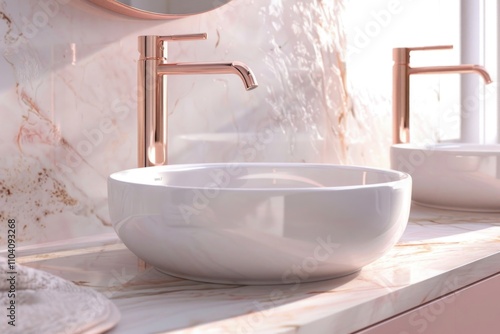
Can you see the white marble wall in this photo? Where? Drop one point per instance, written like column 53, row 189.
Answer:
column 68, row 100
column 67, row 103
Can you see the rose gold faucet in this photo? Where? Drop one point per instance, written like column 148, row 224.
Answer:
column 401, row 86
column 152, row 92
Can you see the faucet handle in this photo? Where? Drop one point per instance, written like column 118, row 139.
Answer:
column 153, row 47
column 432, row 47
column 402, row 55
column 188, row 37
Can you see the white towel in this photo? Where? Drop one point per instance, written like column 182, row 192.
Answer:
column 38, row 302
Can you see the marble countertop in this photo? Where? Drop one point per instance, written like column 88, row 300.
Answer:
column 440, row 251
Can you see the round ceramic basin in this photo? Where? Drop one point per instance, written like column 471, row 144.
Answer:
column 259, row 223
column 452, row 176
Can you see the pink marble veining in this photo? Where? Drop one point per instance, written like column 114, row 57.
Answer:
column 68, row 100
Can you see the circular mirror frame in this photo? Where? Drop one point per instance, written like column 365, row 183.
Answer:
column 117, row 6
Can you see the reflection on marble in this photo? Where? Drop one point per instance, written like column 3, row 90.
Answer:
column 68, row 99
column 440, row 252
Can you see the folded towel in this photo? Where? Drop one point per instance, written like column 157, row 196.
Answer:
column 33, row 301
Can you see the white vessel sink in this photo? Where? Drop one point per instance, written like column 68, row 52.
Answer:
column 452, row 176
column 259, row 223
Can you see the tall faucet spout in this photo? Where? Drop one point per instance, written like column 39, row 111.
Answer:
column 152, row 73
column 467, row 68
column 401, row 86
column 235, row 67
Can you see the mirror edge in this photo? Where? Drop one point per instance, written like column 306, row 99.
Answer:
column 118, row 7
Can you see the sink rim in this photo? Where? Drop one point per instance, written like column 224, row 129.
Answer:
column 397, row 176
column 453, row 148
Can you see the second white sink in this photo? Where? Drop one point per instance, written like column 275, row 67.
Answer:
column 452, row 176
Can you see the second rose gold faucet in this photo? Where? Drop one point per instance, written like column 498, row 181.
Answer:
column 153, row 69
column 401, row 86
